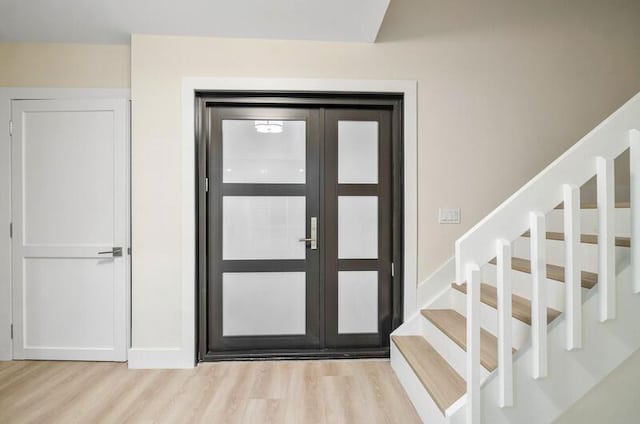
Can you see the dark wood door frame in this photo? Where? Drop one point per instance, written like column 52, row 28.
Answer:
column 205, row 99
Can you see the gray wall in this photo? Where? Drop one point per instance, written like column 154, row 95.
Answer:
column 615, row 400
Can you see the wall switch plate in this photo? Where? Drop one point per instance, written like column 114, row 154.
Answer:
column 449, row 215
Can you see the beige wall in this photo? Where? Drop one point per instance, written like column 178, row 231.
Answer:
column 504, row 88
column 64, row 65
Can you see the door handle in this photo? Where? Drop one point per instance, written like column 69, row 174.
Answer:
column 116, row 251
column 313, row 240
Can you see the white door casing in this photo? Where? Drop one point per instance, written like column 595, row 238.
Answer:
column 182, row 356
column 69, row 202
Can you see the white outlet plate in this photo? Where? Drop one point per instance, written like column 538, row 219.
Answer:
column 449, row 215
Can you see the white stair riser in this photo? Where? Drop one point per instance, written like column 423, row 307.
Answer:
column 589, row 221
column 556, row 251
column 413, row 326
column 442, row 302
column 408, row 328
column 521, row 284
column 448, row 349
column 521, row 332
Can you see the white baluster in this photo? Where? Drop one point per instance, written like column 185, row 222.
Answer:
column 572, row 279
column 539, row 301
column 473, row 344
column 505, row 355
column 634, row 159
column 606, row 238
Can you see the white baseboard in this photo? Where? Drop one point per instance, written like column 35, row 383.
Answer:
column 5, row 354
column 141, row 358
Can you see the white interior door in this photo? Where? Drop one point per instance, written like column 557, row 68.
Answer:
column 70, row 214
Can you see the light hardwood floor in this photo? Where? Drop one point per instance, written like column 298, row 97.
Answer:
column 292, row 392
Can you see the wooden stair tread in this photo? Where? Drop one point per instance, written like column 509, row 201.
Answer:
column 584, row 238
column 442, row 382
column 520, row 306
column 591, row 205
column 454, row 325
column 554, row 272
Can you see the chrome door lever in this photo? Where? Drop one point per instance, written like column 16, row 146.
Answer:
column 116, row 251
column 313, row 240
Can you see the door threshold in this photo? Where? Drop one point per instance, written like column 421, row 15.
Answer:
column 277, row 355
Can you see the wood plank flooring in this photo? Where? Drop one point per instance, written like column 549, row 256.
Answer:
column 295, row 392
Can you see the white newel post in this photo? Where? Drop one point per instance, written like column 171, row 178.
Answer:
column 473, row 344
column 539, row 301
column 606, row 238
column 634, row 159
column 573, row 262
column 505, row 353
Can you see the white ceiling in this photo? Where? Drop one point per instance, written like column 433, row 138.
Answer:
column 113, row 21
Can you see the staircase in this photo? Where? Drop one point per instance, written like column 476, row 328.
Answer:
column 543, row 299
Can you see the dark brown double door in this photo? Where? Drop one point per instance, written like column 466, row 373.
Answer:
column 298, row 220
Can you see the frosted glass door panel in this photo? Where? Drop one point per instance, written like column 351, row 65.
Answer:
column 263, row 227
column 357, row 302
column 357, row 227
column 250, row 156
column 357, row 152
column 263, row 303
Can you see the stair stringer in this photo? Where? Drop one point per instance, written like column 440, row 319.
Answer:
column 571, row 373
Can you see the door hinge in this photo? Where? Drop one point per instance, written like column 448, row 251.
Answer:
column 393, row 270
column 11, row 331
column 206, row 185
column 129, row 251
column 10, row 128
column 11, row 230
